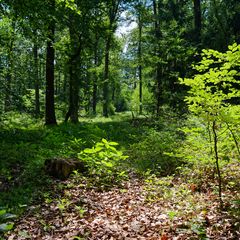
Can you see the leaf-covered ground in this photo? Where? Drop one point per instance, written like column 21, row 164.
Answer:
column 164, row 208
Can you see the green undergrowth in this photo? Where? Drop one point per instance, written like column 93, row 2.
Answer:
column 172, row 154
column 26, row 143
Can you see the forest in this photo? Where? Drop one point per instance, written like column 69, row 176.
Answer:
column 119, row 119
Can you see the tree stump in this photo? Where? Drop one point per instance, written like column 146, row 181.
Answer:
column 61, row 168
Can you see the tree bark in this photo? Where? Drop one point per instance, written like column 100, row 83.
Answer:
column 95, row 77
column 74, row 86
column 50, row 117
column 215, row 138
column 36, row 78
column 106, row 99
column 8, row 85
column 73, row 94
column 140, row 62
column 197, row 20
column 112, row 14
column 156, row 10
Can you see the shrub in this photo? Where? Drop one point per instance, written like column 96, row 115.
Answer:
column 104, row 162
column 211, row 96
column 156, row 153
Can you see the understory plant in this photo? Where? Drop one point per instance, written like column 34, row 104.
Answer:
column 156, row 153
column 6, row 221
column 213, row 97
column 104, row 162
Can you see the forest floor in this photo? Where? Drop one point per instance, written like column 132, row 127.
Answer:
column 158, row 209
column 141, row 207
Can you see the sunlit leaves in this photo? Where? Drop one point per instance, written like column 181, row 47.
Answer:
column 212, row 88
column 70, row 4
column 104, row 160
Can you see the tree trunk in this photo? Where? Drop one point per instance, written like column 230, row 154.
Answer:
column 140, row 61
column 74, row 63
column 197, row 20
column 94, row 101
column 156, row 10
column 112, row 14
column 73, row 94
column 36, row 78
column 8, row 85
column 50, row 118
column 217, row 164
column 95, row 79
column 65, row 83
column 106, row 99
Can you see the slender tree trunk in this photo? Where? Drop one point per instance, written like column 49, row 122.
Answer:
column 106, row 99
column 217, row 164
column 50, row 117
column 7, row 100
column 197, row 20
column 112, row 14
column 113, row 91
column 65, row 81
column 140, row 62
column 59, row 82
column 36, row 78
column 234, row 138
column 8, row 85
column 87, row 89
column 95, row 78
column 94, row 101
column 40, row 71
column 56, row 82
column 156, row 10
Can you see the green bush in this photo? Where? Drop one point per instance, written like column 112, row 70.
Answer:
column 212, row 97
column 156, row 153
column 104, row 162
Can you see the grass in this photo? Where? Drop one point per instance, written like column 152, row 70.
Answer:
column 26, row 143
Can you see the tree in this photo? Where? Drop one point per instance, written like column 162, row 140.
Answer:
column 140, row 25
column 211, row 91
column 157, row 30
column 50, row 117
column 80, row 25
column 197, row 20
column 37, row 82
column 112, row 8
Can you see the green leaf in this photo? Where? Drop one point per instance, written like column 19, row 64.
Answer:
column 107, row 164
column 2, row 212
column 104, row 141
column 6, row 227
column 89, row 150
column 98, row 149
column 113, row 143
column 123, row 173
